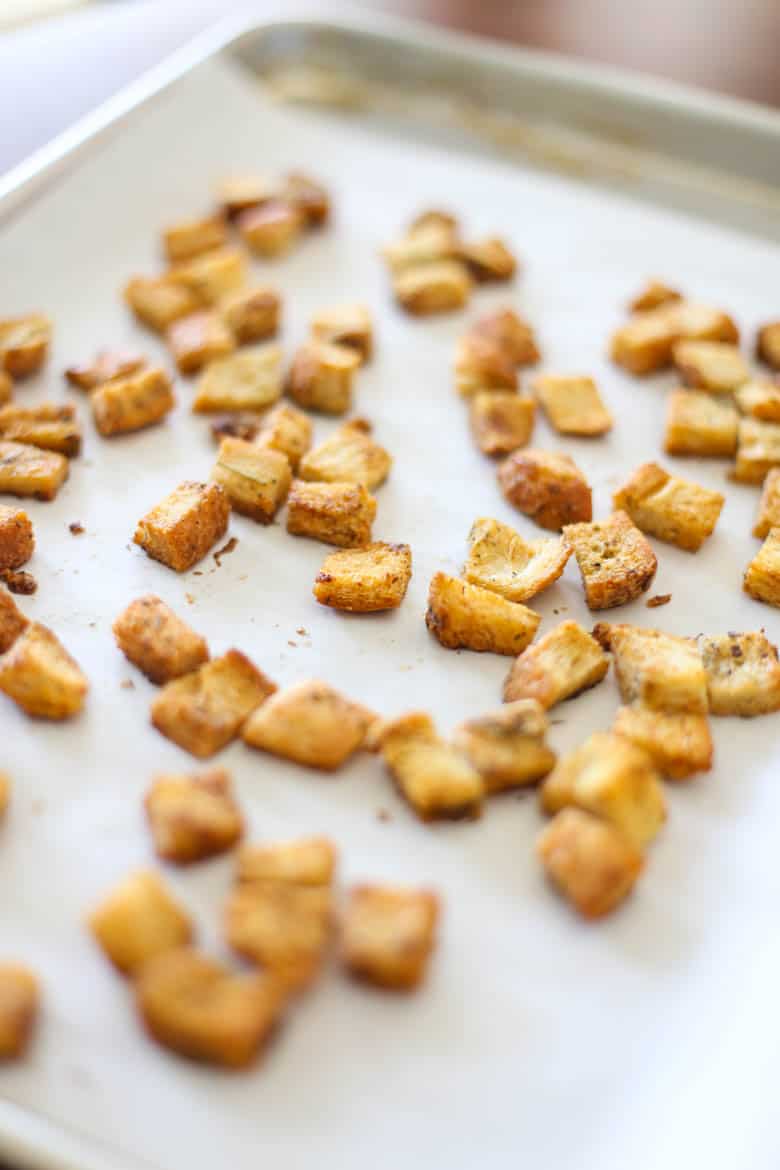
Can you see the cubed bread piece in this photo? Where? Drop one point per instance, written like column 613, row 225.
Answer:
column 711, row 365
column 199, row 1009
column 191, row 237
column 255, row 479
column 466, row 615
column 501, row 422
column 248, row 380
column 158, row 642
column 762, row 576
column 271, row 229
column 348, row 455
column 614, row 779
column 287, row 430
column 212, row 276
column 236, row 193
column 482, row 364
column 31, row 471
column 500, row 560
column 365, row 580
column 306, row 861
column 129, row 404
column 646, row 343
column 514, row 335
column 41, row 677
column 572, row 404
column 590, row 861
column 758, row 450
column 760, row 398
column 657, row 669
column 615, row 560
column 252, row 314
column 106, row 365
column 388, row 934
column 192, row 818
column 335, row 513
column 768, row 515
column 50, row 426
column 309, row 196
column 548, row 486
column 19, row 1006
column 743, row 673
column 678, row 744
column 768, row 344
column 441, row 287
column 488, row 260
column 431, row 239
column 348, row 325
column 24, row 344
column 561, row 664
column 434, row 777
column 198, row 339
column 653, row 294
column 507, row 747
column 138, row 920
column 696, row 322
column 12, row 621
column 6, row 388
column 321, row 376
column 309, row 723
column 17, row 540
column 181, row 529
column 698, row 424
column 204, row 710
column 282, row 926
column 672, row 509
column 157, row 301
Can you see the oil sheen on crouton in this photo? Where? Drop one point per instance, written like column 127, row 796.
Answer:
column 698, row 424
column 24, row 344
column 349, row 455
column 17, row 540
column 440, row 287
column 192, row 237
column 388, row 934
column 591, row 862
column 252, row 314
column 501, row 422
column 211, row 276
column 321, row 376
column 500, row 560
column 365, row 580
column 768, row 515
column 12, row 621
column 306, row 861
column 657, row 669
column 743, row 673
column 50, row 426
column 255, row 479
column 678, row 744
column 482, row 364
column 287, row 430
column 653, row 294
column 198, row 339
column 335, row 513
column 30, row 471
column 158, row 642
column 437, row 780
column 129, row 404
column 573, row 405
column 192, row 818
column 671, row 509
column 561, row 664
column 758, row 450
column 547, row 486
column 768, row 344
column 646, row 342
column 181, row 529
column 488, row 260
column 463, row 615
column 711, row 365
column 138, row 920
column 248, row 380
column 761, row 399
column 348, row 325
column 615, row 560
column 19, row 1005
column 309, row 723
column 157, row 302
column 282, row 926
column 106, row 365
column 513, row 334
column 41, row 677
column 271, row 230
column 762, row 576
column 507, row 747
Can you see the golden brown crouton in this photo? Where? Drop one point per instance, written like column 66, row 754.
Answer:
column 307, row 861
column 762, row 576
column 106, row 365
column 138, row 920
column 310, row 723
column 12, row 621
column 198, row 339
column 6, row 388
column 157, row 301
column 19, row 1005
column 768, row 344
column 547, row 486
column 236, row 193
column 501, row 422
column 203, row 711
column 678, row 744
column 321, row 376
column 711, row 365
column 50, row 426
column 647, row 341
column 308, row 195
column 193, row 817
column 659, row 670
column 348, row 455
column 195, row 1007
column 698, row 424
column 488, row 260
column 129, row 404
column 282, row 926
column 248, row 380
column 252, row 314
column 335, row 513
column 348, row 325
column 500, row 560
column 365, row 580
column 507, row 747
column 31, row 471
column 652, row 295
column 482, row 364
column 442, row 287
column 430, row 239
column 590, row 861
column 512, row 333
column 672, row 509
column 287, row 430
column 271, row 229
column 17, row 540
column 573, row 405
column 758, row 450
column 743, row 673
column 388, row 934
column 181, row 529
column 614, row 779
column 255, row 479
column 436, row 780
column 41, row 677
column 760, row 398
column 211, row 276
column 191, row 237
column 158, row 642
column 615, row 560
column 768, row 515
column 466, row 615
column 561, row 664
column 24, row 344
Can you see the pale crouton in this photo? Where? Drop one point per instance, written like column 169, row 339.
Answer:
column 514, row 335
column 308, row 195
column 768, row 515
column 19, row 1006
column 482, row 364
column 50, row 426
column 759, row 398
column 762, row 576
column 307, row 861
column 158, row 642
column 248, row 380
column 743, row 673
column 236, row 193
column 272, row 229
column 348, row 455
column 282, row 926
column 41, row 677
column 287, row 430
column 181, row 529
column 561, row 664
column 198, row 339
column 255, row 479
column 310, row 723
column 17, row 540
column 24, row 344
column 252, row 314
column 6, row 388
column 678, row 744
column 348, row 325
column 768, row 344
column 365, row 580
column 388, row 934
column 191, row 237
column 488, row 260
column 711, row 365
column 500, row 560
column 106, row 365
column 431, row 239
column 192, row 818
column 436, row 780
column 335, row 513
column 157, row 301
column 698, row 424
column 590, row 861
column 12, row 621
column 31, row 471
column 441, row 287
column 547, row 486
column 204, row 710
column 659, row 670
column 573, row 405
column 466, row 615
column 671, row 509
column 321, row 377
column 758, row 450
column 212, row 276
column 646, row 342
column 615, row 560
column 138, row 920
column 501, row 422
column 653, row 294
column 507, row 747
column 129, row 404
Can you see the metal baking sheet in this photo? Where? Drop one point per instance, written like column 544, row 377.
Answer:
column 644, row 1041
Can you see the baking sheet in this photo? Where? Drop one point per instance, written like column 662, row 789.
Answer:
column 644, row 1041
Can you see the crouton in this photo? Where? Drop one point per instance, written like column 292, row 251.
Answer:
column 759, row 398
column 758, row 450
column 671, row 509
column 255, row 479
column 335, row 513
column 272, row 229
column 466, row 615
column 762, row 576
column 482, row 364
column 678, row 744
column 590, row 861
column 198, row 339
column 236, row 193
column 488, row 260
column 309, row 196
column 181, row 529
column 434, row 778
column 211, row 276
column 321, row 377
column 282, row 926
column 204, row 710
column 711, row 365
column 768, row 344
column 248, row 380
column 287, row 430
column 768, row 515
column 193, row 817
column 235, row 426
column 49, row 426
column 365, row 580
column 348, row 455
column 106, row 365
column 388, row 934
column 743, row 673
column 12, row 621
column 252, row 314
column 646, row 342
column 442, row 287
column 514, row 335
column 192, row 237
column 24, row 344
column 561, row 664
column 501, row 422
column 573, row 405
column 31, row 471
column 17, row 540
column 138, row 920
column 158, row 642
column 652, row 295
column 615, row 560
column 130, row 404
column 507, row 747
column 199, row 1009
column 698, row 424
column 157, row 301
column 19, row 1006
column 500, row 560
column 310, row 723
column 547, row 486
column 431, row 239
column 41, row 677
column 659, row 670
column 306, row 861
column 348, row 325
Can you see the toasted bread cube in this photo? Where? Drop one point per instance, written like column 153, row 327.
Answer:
column 12, row 621
column 348, row 455
column 659, row 670
column 335, row 513
column 615, row 560
column 248, row 380
column 678, row 744
column 431, row 239
column 282, row 926
column 41, row 677
column 501, row 422
column 307, row 861
column 272, row 229
column 573, row 405
column 158, row 642
column 24, row 344
column 6, row 388
column 758, row 450
column 310, row 723
column 287, row 430
column 711, row 365
column 507, row 747
column 698, row 424
column 768, row 515
column 488, row 260
column 548, row 486
column 561, row 664
column 252, row 314
column 671, row 509
column 768, row 344
column 463, row 615
column 321, row 376
column 652, row 295
column 138, row 920
column 436, row 780
column 743, row 674
column 365, row 580
column 17, row 540
column 646, row 343
column 591, row 862
column 759, row 398
column 500, row 560
column 212, row 276
column 193, row 817
column 442, row 287
column 192, row 237
column 309, row 196
column 614, row 779
column 199, row 1009
column 255, row 479
column 514, row 335
column 48, row 426
column 181, row 529
column 157, row 301
column 204, row 710
column 19, row 1005
column 198, row 339
column 762, row 576
column 236, row 193
column 388, row 935
column 482, row 364
column 106, row 365
column 348, row 325
column 130, row 404
column 30, row 471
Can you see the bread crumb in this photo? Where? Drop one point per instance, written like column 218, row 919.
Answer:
column 302, row 631
column 659, row 599
column 384, row 815
column 189, row 599
column 76, row 528
column 19, row 581
column 127, row 684
column 226, row 548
